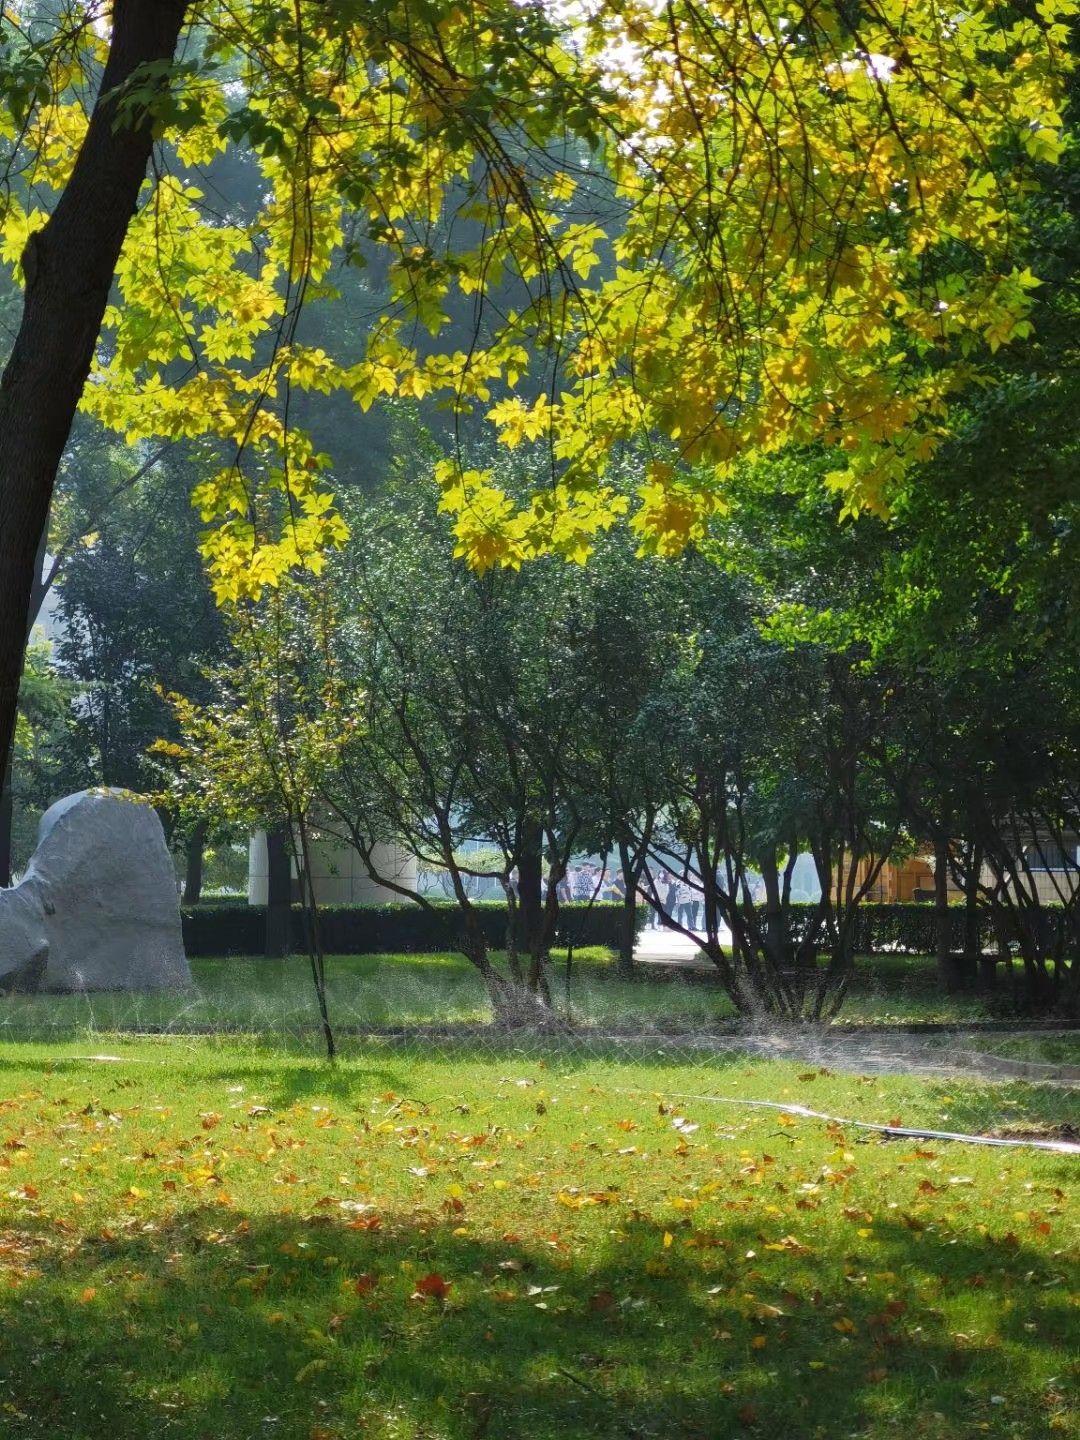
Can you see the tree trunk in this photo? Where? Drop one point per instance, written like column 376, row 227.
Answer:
column 774, row 913
column 68, row 268
column 193, row 872
column 278, row 892
column 628, row 920
column 7, row 817
column 7, row 793
column 512, row 1002
column 974, row 959
column 535, row 942
column 314, row 938
column 972, row 944
column 948, row 971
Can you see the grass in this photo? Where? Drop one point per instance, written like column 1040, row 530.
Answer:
column 210, row 1238
column 275, row 997
column 1050, row 1049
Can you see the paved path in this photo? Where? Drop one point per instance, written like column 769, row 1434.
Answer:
column 668, row 947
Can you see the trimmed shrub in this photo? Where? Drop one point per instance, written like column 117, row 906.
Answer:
column 230, row 929
column 901, row 928
column 223, row 928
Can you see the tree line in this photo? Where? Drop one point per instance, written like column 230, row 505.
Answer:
column 673, row 716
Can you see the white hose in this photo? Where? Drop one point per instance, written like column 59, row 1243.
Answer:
column 899, row 1132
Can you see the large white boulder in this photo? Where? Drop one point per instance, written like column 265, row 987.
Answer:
column 97, row 908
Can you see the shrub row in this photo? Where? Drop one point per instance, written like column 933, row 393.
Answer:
column 901, row 928
column 230, row 929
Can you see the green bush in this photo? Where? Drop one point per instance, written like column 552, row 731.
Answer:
column 901, row 928
column 231, row 929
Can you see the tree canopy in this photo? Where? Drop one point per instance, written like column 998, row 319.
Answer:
column 797, row 226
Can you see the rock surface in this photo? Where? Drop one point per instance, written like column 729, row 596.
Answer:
column 97, row 907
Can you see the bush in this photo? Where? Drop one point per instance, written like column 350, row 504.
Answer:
column 902, row 928
column 231, row 929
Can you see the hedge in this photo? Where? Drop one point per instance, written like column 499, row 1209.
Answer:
column 230, row 929
column 904, row 928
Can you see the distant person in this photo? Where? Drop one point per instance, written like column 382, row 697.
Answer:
column 671, row 896
column 687, row 905
column 646, row 890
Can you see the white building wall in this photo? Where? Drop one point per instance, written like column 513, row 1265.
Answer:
column 338, row 874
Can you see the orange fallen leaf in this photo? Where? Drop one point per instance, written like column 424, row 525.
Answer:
column 365, row 1222
column 432, row 1285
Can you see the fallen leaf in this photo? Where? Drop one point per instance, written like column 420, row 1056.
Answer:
column 432, row 1286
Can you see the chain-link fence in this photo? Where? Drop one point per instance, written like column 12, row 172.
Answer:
column 669, row 1008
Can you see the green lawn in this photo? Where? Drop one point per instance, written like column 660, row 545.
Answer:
column 210, row 1238
column 275, row 997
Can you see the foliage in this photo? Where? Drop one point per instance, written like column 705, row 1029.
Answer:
column 470, row 724
column 766, row 751
column 811, row 232
column 258, row 753
column 236, row 929
column 134, row 613
column 962, row 609
column 45, row 762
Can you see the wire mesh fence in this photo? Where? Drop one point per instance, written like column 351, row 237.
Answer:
column 898, row 1018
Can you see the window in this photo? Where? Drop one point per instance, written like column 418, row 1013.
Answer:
column 1049, row 855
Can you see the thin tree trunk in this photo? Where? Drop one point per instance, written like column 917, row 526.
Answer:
column 69, row 267
column 314, row 939
column 974, row 959
column 531, row 909
column 946, row 965
column 774, row 916
column 278, row 892
column 193, row 870
column 628, row 920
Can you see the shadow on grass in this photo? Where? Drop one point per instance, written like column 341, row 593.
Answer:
column 216, row 1323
